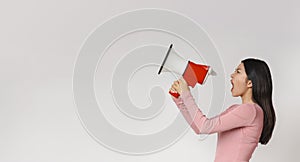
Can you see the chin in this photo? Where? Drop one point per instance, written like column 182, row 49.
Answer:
column 234, row 95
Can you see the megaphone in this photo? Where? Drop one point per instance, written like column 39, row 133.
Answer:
column 191, row 72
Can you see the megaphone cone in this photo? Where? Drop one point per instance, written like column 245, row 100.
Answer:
column 191, row 72
column 173, row 62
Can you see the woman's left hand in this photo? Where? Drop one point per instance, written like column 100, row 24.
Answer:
column 180, row 86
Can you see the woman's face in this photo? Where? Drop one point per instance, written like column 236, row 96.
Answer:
column 239, row 81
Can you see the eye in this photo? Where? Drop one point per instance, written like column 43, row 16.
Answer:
column 236, row 71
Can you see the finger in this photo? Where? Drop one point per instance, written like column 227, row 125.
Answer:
column 175, row 87
column 182, row 81
column 176, row 82
column 172, row 90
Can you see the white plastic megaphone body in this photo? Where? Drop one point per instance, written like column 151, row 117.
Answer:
column 191, row 72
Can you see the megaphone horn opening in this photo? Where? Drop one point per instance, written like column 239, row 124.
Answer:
column 166, row 57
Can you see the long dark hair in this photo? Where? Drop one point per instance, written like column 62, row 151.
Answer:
column 259, row 74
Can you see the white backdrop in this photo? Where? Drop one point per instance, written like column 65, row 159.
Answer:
column 40, row 41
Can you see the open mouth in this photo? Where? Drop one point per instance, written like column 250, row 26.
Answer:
column 232, row 85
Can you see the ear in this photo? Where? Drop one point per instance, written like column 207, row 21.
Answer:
column 249, row 84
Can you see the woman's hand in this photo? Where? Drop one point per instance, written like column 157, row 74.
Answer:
column 179, row 86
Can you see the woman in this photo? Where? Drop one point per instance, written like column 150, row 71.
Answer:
column 242, row 126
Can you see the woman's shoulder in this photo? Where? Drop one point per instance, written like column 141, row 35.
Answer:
column 251, row 106
column 245, row 105
column 244, row 110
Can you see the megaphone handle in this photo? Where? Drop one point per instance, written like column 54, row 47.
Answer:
column 174, row 94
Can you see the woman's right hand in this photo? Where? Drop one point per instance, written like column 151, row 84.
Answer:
column 179, row 86
column 175, row 86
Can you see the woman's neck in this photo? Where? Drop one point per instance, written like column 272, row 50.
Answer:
column 247, row 97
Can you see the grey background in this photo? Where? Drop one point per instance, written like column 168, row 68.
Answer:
column 40, row 41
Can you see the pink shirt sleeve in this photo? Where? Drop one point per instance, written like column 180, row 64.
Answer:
column 234, row 117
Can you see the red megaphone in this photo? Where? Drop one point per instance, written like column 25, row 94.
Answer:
column 191, row 72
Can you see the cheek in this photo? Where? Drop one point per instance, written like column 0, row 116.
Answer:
column 240, row 86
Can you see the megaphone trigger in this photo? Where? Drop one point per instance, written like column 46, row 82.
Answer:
column 174, row 94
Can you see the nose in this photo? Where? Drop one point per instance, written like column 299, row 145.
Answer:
column 231, row 75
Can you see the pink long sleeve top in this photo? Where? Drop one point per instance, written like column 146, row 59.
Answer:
column 239, row 127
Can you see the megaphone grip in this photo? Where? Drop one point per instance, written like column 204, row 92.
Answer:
column 174, row 94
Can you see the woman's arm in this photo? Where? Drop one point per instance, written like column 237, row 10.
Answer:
column 234, row 117
column 186, row 114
